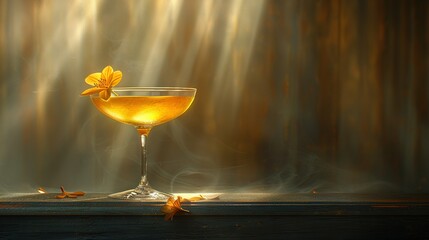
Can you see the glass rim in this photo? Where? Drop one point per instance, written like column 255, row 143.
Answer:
column 154, row 89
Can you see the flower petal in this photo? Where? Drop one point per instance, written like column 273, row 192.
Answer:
column 78, row 193
column 170, row 201
column 107, row 74
column 61, row 196
column 117, row 76
column 177, row 204
column 93, row 79
column 169, row 216
column 168, row 209
column 105, row 94
column 91, row 91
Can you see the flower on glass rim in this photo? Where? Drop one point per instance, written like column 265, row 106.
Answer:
column 103, row 82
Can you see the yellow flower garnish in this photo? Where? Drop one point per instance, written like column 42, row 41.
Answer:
column 103, row 82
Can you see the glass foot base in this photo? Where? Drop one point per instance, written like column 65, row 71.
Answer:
column 141, row 194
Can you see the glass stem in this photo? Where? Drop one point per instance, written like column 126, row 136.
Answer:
column 144, row 133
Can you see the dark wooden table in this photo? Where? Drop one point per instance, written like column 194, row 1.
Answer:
column 232, row 215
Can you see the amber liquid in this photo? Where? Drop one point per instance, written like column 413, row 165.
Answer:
column 143, row 111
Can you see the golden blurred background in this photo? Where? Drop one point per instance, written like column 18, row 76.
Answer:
column 293, row 95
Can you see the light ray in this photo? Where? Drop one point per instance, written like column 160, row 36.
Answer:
column 162, row 30
column 205, row 16
column 238, row 44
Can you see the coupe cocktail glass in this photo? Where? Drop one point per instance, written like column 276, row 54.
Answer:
column 144, row 108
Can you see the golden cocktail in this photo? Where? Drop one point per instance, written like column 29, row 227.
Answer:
column 143, row 111
column 145, row 108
